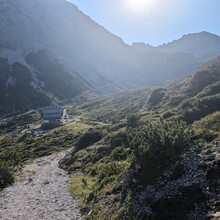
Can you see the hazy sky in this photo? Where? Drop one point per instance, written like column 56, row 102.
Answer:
column 153, row 21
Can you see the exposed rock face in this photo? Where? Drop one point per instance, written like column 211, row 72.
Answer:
column 64, row 53
column 23, row 88
column 189, row 189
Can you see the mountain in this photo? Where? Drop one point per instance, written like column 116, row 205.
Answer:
column 204, row 46
column 142, row 154
column 51, row 51
column 62, row 51
column 177, row 58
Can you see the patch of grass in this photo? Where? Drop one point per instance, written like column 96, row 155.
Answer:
column 212, row 122
column 207, row 129
column 82, row 186
column 112, row 109
column 16, row 151
column 77, row 127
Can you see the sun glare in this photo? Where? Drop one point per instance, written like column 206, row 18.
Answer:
column 139, row 5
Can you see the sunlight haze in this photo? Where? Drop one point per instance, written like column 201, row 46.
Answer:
column 154, row 22
column 139, row 6
column 109, row 109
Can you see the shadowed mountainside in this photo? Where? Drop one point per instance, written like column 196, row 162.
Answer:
column 64, row 53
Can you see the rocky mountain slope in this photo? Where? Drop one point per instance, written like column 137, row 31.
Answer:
column 56, row 52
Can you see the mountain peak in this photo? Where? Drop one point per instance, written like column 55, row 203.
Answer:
column 203, row 34
column 203, row 45
column 142, row 46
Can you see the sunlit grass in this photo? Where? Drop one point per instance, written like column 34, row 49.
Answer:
column 81, row 186
column 77, row 127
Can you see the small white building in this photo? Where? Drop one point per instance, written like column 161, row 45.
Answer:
column 52, row 116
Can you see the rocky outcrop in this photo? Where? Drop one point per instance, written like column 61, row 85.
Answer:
column 189, row 189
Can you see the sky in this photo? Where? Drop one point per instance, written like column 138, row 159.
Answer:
column 153, row 22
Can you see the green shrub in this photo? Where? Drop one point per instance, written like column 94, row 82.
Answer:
column 156, row 146
column 210, row 90
column 202, row 107
column 156, row 96
column 168, row 114
column 119, row 139
column 90, row 137
column 208, row 128
column 120, row 153
column 132, row 120
column 6, row 175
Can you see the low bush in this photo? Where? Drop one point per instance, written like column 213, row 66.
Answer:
column 132, row 120
column 155, row 146
column 90, row 137
column 6, row 175
column 156, row 96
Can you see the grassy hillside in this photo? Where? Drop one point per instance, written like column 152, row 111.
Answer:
column 147, row 141
column 17, row 147
column 137, row 155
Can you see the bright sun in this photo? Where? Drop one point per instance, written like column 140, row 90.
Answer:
column 139, row 5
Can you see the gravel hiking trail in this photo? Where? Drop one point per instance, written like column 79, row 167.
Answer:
column 41, row 194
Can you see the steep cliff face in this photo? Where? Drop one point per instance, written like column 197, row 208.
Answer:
column 16, row 89
column 36, row 83
column 64, row 53
column 67, row 34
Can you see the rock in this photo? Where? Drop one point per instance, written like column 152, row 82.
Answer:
column 216, row 215
column 202, row 164
column 217, row 156
column 117, row 187
column 210, row 157
column 188, row 189
column 177, row 172
column 46, row 182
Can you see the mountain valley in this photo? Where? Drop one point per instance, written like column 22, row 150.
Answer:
column 137, row 153
column 63, row 53
column 139, row 133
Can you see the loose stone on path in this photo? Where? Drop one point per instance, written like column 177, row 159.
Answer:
column 42, row 196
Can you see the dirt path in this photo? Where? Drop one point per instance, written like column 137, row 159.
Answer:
column 41, row 196
column 14, row 116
